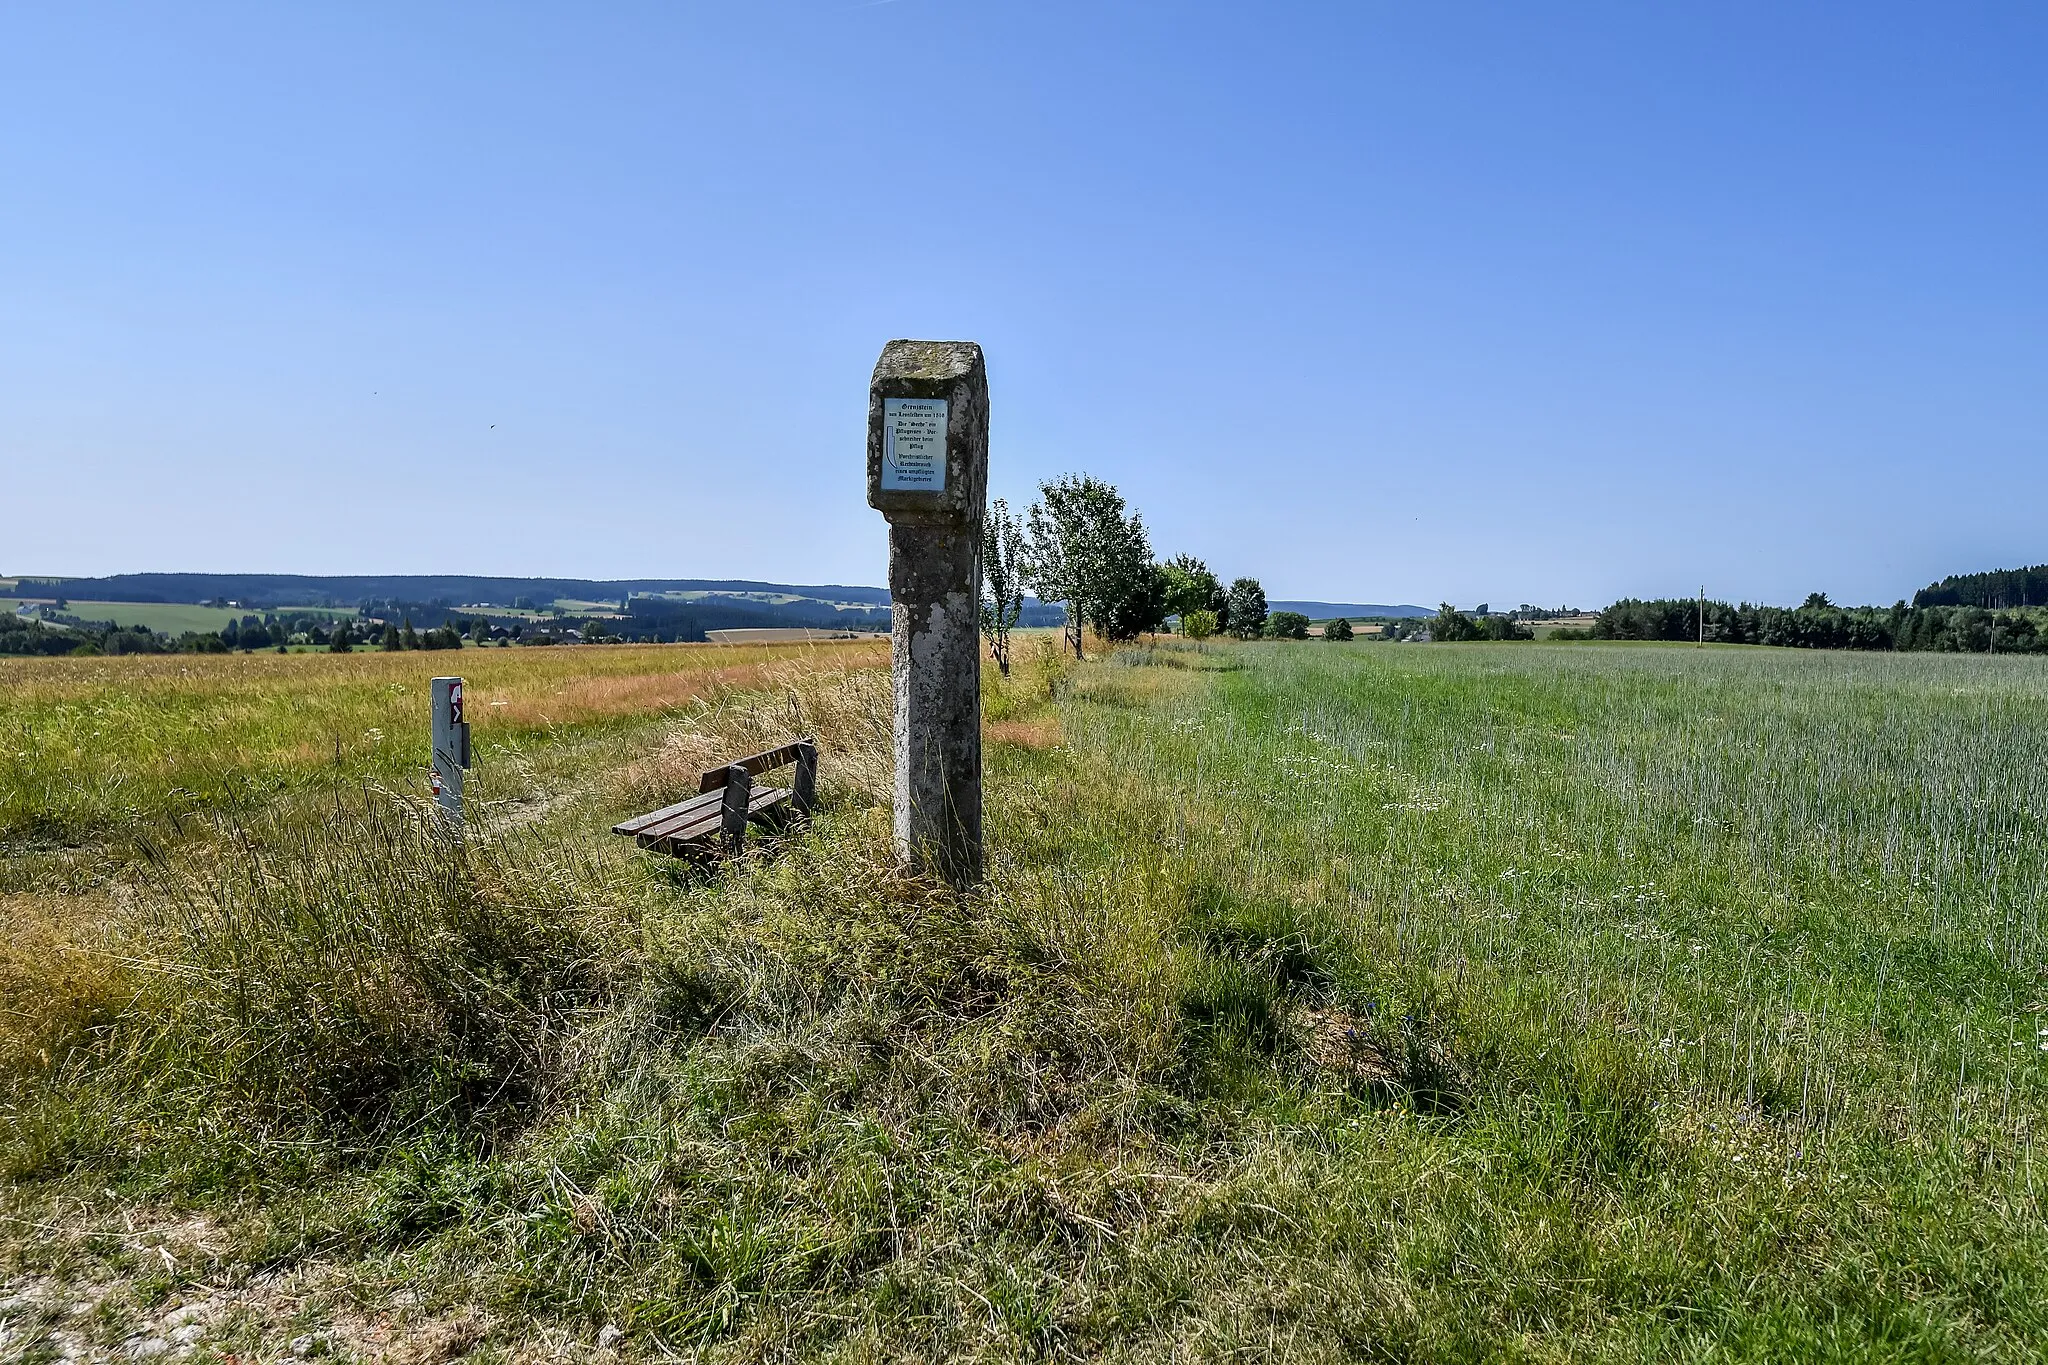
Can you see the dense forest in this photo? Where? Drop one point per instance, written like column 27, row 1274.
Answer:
column 1820, row 624
column 2001, row 589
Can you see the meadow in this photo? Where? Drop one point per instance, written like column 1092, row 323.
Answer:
column 1325, row 1002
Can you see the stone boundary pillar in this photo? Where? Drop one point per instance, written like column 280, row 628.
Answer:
column 928, row 474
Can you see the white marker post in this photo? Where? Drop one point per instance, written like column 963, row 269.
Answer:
column 451, row 752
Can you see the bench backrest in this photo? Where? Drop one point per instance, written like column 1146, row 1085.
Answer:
column 756, row 764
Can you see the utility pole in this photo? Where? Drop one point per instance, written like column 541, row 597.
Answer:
column 1703, row 616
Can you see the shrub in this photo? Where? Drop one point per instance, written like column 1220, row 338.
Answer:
column 1049, row 664
column 1339, row 629
column 1198, row 625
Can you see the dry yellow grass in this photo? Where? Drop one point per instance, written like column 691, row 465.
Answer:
column 1042, row 732
column 89, row 745
column 55, row 976
column 847, row 710
column 517, row 675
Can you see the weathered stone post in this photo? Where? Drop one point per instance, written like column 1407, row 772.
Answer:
column 928, row 474
column 451, row 751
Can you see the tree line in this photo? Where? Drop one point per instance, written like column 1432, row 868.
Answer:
column 39, row 638
column 1818, row 623
column 272, row 633
column 1080, row 545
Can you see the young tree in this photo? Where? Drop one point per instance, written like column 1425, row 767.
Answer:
column 1053, row 552
column 1085, row 552
column 1002, row 574
column 1339, row 629
column 1247, row 609
column 1198, row 625
column 1190, row 587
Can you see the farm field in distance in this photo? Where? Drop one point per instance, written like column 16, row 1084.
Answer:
column 171, row 618
column 1434, row 1002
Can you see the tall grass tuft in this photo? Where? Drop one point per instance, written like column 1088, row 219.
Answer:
column 318, row 987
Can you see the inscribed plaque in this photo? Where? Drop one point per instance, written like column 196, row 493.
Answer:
column 914, row 444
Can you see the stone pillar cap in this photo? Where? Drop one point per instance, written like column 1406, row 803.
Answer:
column 954, row 372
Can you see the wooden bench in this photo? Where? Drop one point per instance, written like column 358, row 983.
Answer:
column 715, row 820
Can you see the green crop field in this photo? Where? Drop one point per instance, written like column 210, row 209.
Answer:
column 1449, row 1002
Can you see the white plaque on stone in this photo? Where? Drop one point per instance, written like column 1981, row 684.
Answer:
column 914, row 444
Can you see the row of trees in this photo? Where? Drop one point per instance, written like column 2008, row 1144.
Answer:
column 246, row 635
column 33, row 637
column 43, row 638
column 280, row 632
column 1081, row 546
column 1820, row 624
column 1452, row 626
column 447, row 635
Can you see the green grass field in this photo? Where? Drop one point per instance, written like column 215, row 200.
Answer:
column 1436, row 1003
column 175, row 618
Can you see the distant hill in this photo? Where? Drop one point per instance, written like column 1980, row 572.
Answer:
column 638, row 608
column 668, row 605
column 2000, row 589
column 1322, row 611
column 263, row 590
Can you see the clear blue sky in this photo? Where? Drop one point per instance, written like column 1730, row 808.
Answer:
column 1386, row 302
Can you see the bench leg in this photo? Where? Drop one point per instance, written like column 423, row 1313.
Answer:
column 805, row 790
column 739, row 794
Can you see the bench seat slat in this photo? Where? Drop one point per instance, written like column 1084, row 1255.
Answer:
column 702, row 825
column 709, row 814
column 705, row 814
column 642, row 822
